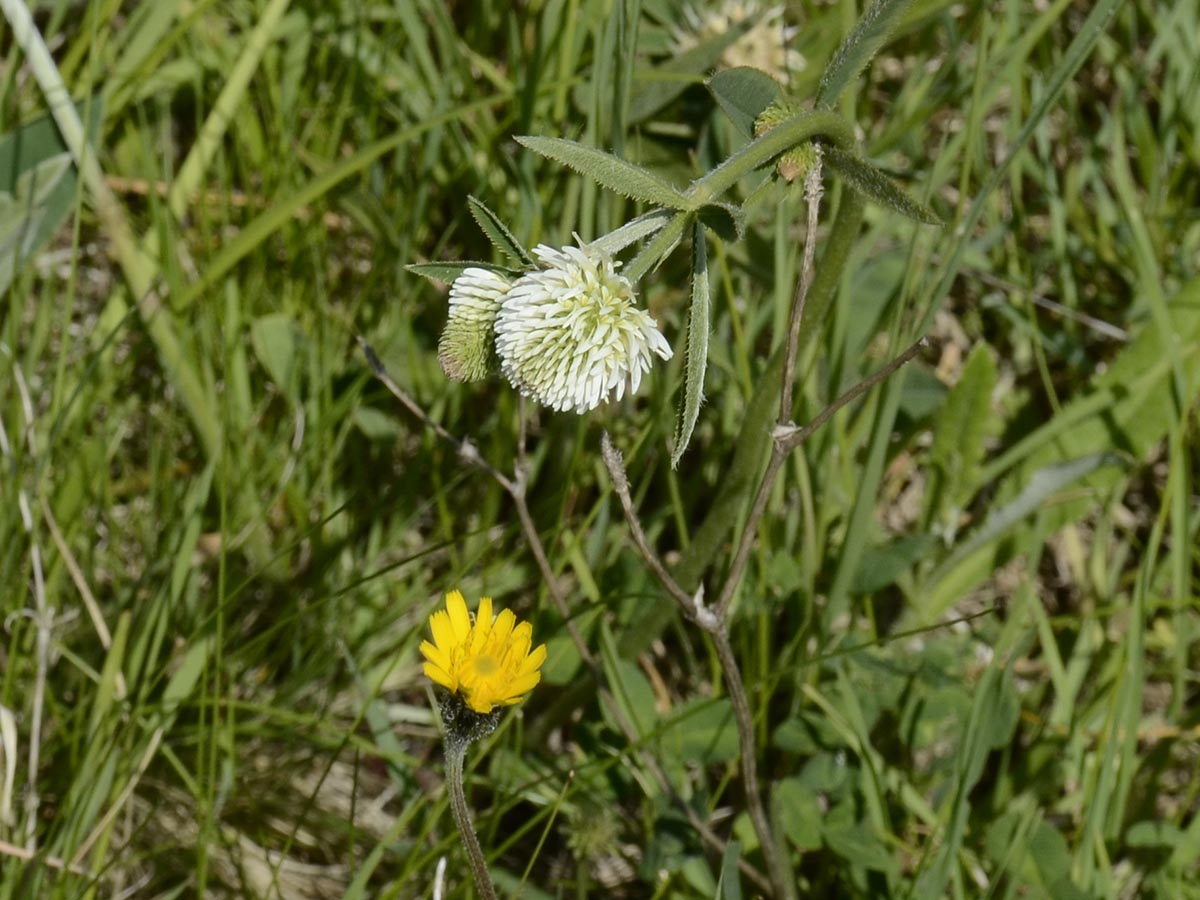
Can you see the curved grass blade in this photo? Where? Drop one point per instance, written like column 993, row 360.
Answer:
column 497, row 232
column 696, row 360
column 871, row 182
column 609, row 171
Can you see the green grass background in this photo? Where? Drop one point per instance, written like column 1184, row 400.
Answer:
column 969, row 626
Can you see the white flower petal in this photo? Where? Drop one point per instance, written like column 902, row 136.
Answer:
column 568, row 334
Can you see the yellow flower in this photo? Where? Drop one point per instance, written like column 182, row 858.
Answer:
column 486, row 662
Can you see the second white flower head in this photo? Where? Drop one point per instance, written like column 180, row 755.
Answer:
column 568, row 334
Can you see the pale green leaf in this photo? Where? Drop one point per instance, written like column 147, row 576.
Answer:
column 275, row 339
column 607, row 170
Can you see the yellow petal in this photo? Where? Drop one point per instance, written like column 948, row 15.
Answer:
column 483, row 624
column 436, row 656
column 435, row 674
column 443, row 631
column 480, row 705
column 523, row 684
column 504, row 626
column 460, row 620
column 533, row 661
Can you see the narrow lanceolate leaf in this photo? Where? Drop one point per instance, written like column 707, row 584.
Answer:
column 633, row 231
column 743, row 93
column 959, row 431
column 697, row 346
column 859, row 47
column 872, row 183
column 448, row 271
column 497, row 232
column 610, row 171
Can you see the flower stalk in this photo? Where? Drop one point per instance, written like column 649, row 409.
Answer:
column 456, row 751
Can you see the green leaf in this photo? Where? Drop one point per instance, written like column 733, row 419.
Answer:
column 882, row 564
column 743, row 93
column 631, row 232
column 662, row 84
column 37, row 188
column 275, row 339
column 448, row 271
column 963, row 422
column 859, row 47
column 798, row 810
column 497, row 232
column 729, row 884
column 607, row 170
column 726, row 219
column 376, row 425
column 697, row 346
column 700, row 731
column 871, row 182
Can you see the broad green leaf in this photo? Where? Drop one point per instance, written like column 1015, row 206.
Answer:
column 697, row 346
column 655, row 88
column 882, row 564
column 963, row 422
column 37, row 188
column 375, row 424
column 609, row 171
column 446, row 272
column 701, row 731
column 497, row 232
column 275, row 340
column 726, row 219
column 873, row 183
column 743, row 93
column 798, row 810
column 859, row 47
column 629, row 687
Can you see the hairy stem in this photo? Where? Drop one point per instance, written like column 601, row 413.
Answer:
column 456, row 752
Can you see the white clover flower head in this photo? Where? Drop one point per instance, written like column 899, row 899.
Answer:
column 466, row 348
column 765, row 46
column 568, row 334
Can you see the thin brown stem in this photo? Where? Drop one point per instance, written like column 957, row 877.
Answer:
column 615, row 463
column 782, row 878
column 455, row 753
column 465, row 448
column 790, row 439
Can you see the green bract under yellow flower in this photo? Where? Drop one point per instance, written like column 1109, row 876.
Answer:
column 487, row 662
